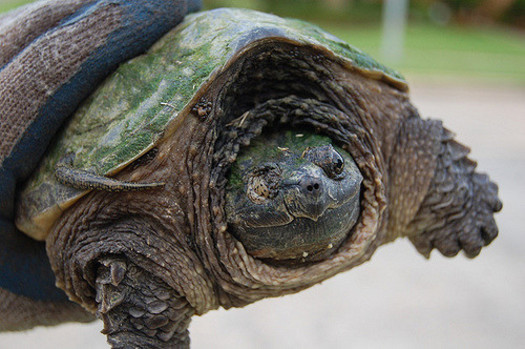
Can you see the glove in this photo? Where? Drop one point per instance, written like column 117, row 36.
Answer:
column 53, row 54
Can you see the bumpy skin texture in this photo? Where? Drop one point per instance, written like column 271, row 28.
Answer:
column 417, row 183
column 154, row 316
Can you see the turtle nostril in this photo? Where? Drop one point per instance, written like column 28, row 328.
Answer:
column 313, row 186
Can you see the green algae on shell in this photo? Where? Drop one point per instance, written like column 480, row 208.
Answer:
column 149, row 96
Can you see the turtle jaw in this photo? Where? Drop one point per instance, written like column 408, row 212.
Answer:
column 309, row 218
column 303, row 239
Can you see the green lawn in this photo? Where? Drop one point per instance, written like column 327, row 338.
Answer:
column 6, row 5
column 491, row 54
column 483, row 53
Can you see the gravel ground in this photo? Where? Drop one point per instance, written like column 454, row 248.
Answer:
column 398, row 299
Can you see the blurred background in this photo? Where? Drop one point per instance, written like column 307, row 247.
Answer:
column 465, row 63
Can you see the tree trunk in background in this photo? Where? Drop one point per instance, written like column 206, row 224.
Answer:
column 336, row 4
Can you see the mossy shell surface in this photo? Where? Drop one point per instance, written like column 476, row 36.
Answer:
column 131, row 111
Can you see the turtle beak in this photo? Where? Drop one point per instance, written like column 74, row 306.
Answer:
column 305, row 193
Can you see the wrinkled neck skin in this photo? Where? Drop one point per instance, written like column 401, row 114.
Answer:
column 176, row 239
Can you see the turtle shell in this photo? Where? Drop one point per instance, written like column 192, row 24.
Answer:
column 148, row 97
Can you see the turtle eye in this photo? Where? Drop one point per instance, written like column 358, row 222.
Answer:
column 327, row 158
column 338, row 163
column 263, row 183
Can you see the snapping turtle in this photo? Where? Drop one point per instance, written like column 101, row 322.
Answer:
column 244, row 156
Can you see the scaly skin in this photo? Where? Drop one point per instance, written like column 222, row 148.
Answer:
column 149, row 317
column 111, row 247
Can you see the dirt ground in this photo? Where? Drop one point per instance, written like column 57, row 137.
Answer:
column 398, row 299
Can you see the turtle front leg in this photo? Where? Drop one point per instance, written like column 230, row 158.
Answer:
column 138, row 309
column 440, row 201
column 126, row 257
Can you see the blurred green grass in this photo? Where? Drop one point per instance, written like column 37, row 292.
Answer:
column 490, row 54
column 6, row 5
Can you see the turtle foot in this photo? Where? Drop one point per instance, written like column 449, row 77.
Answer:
column 138, row 309
column 457, row 213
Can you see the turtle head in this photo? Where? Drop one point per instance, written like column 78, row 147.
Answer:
column 292, row 197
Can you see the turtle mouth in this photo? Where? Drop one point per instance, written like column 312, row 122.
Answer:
column 303, row 238
column 317, row 207
column 301, row 230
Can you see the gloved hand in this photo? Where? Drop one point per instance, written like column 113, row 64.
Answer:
column 53, row 54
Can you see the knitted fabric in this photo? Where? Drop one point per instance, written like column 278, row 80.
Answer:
column 21, row 313
column 53, row 54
